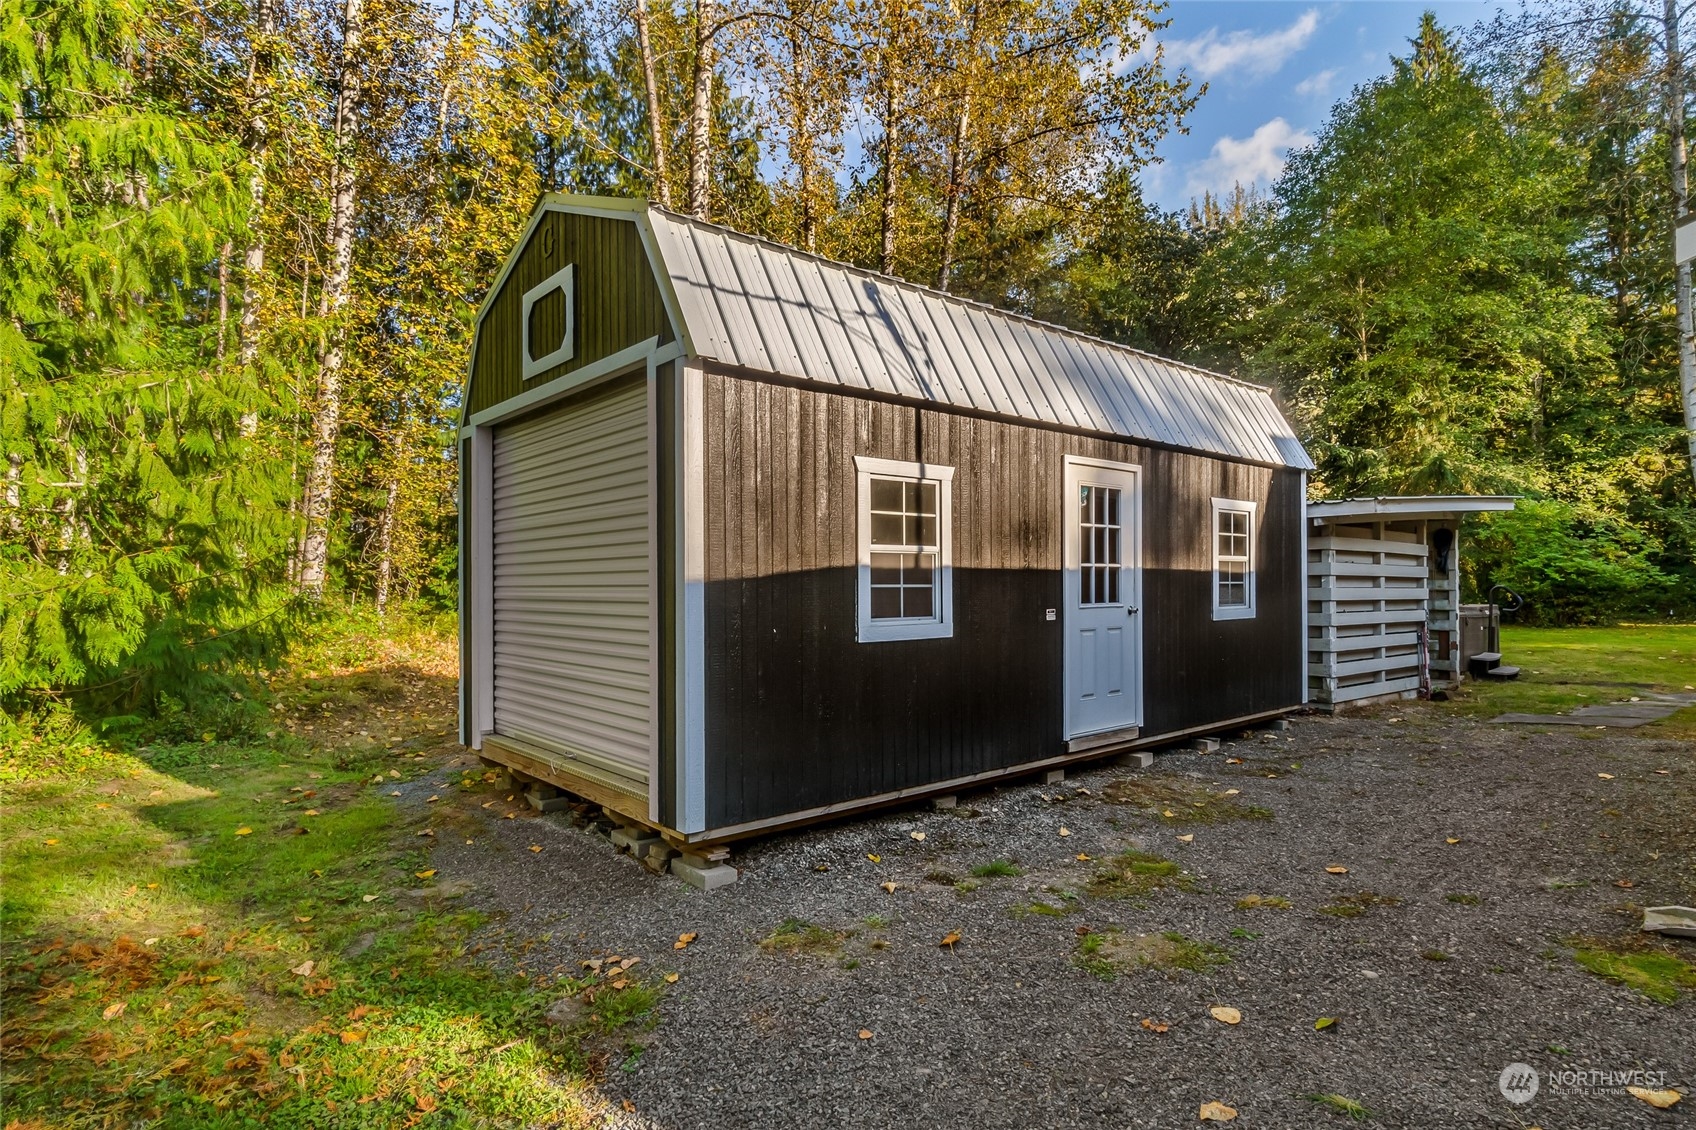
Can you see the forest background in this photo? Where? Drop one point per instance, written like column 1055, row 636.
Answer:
column 245, row 240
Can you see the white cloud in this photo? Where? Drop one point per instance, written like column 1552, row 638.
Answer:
column 1317, row 84
column 1210, row 53
column 1256, row 159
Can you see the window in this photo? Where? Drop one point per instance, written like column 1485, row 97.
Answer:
column 1099, row 536
column 1233, row 559
column 906, row 584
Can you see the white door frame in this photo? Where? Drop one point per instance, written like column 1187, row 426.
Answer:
column 1076, row 474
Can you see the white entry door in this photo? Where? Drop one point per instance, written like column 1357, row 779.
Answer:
column 1103, row 518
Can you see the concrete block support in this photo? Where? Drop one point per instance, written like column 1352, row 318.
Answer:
column 637, row 841
column 1205, row 745
column 1054, row 776
column 547, row 798
column 1136, row 759
column 707, row 878
column 1278, row 724
column 943, row 803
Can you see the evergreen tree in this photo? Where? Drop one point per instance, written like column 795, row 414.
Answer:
column 144, row 531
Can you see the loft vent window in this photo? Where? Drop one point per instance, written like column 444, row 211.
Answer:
column 548, row 317
column 906, row 567
column 1233, row 559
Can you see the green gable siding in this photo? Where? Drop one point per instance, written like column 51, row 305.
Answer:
column 618, row 303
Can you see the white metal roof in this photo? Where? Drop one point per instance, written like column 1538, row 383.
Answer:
column 759, row 305
column 1409, row 506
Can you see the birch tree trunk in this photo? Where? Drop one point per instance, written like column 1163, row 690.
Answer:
column 326, row 414
column 656, row 117
column 258, row 125
column 956, row 188
column 224, row 306
column 1681, row 208
column 385, row 546
column 701, row 113
column 886, row 261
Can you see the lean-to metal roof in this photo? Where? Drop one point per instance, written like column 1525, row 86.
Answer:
column 759, row 305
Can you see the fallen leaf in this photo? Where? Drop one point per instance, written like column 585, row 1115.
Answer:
column 888, row 887
column 1081, row 857
column 1337, row 870
column 1065, row 831
column 1626, row 883
column 304, row 969
column 629, row 1107
column 1225, row 1014
column 395, row 793
column 55, row 843
column 425, row 874
column 1606, row 776
column 512, row 816
column 950, row 938
column 310, row 812
column 1323, row 1023
column 1452, row 840
column 1233, row 761
column 102, row 804
column 917, row 836
column 1660, row 1100
column 303, row 918
column 1217, row 1112
column 671, row 978
column 113, row 1011
column 488, row 804
column 150, row 942
column 874, row 858
column 683, row 941
column 1232, row 792
column 1187, row 839
column 242, row 831
column 1154, row 1025
column 352, row 1036
column 865, row 1033
column 535, row 847
column 1168, row 813
column 1664, row 772
column 372, row 898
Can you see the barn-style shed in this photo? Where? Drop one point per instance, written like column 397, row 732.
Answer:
column 751, row 538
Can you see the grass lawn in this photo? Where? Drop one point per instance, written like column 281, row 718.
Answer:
column 229, row 933
column 1564, row 668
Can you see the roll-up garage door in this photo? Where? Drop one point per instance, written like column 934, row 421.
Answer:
column 570, row 577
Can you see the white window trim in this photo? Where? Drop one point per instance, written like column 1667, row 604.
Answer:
column 561, row 280
column 1252, row 509
column 940, row 626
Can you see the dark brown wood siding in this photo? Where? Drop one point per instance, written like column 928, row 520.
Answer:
column 800, row 715
column 618, row 303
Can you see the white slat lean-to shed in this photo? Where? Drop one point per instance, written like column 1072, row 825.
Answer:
column 1379, row 571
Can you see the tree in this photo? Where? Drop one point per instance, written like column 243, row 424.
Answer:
column 1417, row 288
column 327, row 405
column 146, row 531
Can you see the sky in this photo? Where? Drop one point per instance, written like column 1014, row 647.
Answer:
column 1274, row 69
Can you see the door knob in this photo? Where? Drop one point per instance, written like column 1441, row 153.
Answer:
column 1130, row 610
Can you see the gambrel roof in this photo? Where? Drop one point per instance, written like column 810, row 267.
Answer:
column 761, row 306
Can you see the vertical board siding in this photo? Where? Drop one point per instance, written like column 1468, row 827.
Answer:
column 800, row 714
column 618, row 303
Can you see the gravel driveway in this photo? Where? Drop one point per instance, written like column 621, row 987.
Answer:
column 1476, row 855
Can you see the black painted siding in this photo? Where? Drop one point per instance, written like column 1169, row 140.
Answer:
column 800, row 715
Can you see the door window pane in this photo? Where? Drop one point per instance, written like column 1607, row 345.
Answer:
column 1100, row 544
